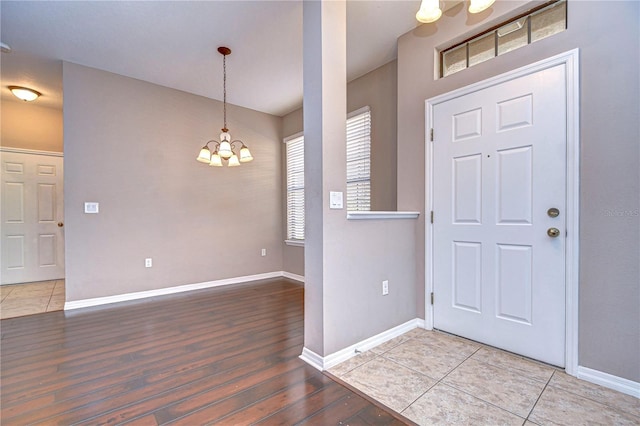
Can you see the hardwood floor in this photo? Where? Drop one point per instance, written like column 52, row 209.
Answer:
column 227, row 355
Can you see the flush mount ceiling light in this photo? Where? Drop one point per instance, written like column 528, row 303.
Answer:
column 24, row 93
column 225, row 149
column 430, row 9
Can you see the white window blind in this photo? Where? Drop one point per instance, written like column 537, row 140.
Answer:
column 295, row 187
column 359, row 160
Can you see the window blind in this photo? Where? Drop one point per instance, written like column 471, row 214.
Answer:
column 295, row 187
column 359, row 160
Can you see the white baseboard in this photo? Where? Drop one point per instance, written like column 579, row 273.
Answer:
column 85, row 303
column 609, row 381
column 312, row 358
column 324, row 363
column 294, row 277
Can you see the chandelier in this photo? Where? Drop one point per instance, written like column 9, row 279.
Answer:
column 225, row 149
column 430, row 9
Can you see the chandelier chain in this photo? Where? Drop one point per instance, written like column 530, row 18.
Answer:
column 224, row 89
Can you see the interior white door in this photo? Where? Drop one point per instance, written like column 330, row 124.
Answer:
column 499, row 165
column 31, row 218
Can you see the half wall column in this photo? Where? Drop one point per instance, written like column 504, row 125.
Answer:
column 325, row 94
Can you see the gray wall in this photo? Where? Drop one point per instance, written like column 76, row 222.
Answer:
column 131, row 146
column 378, row 89
column 27, row 125
column 360, row 255
column 608, row 38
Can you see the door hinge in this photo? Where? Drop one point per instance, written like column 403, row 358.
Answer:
column 431, row 216
column 432, row 134
column 432, row 298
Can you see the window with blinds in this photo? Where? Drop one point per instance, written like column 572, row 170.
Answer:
column 295, row 187
column 359, row 160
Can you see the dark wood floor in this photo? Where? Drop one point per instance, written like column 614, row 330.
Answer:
column 227, row 355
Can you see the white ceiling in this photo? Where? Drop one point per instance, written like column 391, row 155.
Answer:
column 174, row 44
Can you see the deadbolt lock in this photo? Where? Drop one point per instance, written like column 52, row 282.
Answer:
column 553, row 212
column 553, row 232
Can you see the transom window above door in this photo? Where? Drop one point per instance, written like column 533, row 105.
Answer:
column 535, row 25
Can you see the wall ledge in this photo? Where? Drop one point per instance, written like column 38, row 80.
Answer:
column 97, row 301
column 294, row 243
column 381, row 215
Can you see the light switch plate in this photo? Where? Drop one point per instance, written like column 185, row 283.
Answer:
column 335, row 200
column 91, row 207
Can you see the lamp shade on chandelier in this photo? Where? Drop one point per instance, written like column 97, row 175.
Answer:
column 430, row 9
column 231, row 152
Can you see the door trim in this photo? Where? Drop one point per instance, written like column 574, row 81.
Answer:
column 31, row 151
column 570, row 60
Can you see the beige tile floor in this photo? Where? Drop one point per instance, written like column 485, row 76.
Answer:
column 18, row 300
column 434, row 378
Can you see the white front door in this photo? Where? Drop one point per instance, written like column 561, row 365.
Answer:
column 31, row 218
column 499, row 166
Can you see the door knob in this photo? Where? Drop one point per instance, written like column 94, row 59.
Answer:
column 553, row 232
column 60, row 224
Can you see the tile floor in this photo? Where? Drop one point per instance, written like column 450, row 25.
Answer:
column 435, row 378
column 18, row 300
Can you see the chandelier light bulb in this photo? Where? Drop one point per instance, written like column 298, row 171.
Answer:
column 216, row 161
column 225, row 149
column 205, row 155
column 233, row 161
column 477, row 6
column 429, row 11
column 245, row 155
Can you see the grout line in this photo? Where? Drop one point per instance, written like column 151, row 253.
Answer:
column 437, row 381
column 540, row 396
column 589, row 397
column 480, row 346
column 46, row 308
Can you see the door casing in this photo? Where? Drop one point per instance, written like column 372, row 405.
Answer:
column 570, row 60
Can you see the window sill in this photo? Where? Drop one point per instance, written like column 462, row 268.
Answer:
column 295, row 243
column 382, row 215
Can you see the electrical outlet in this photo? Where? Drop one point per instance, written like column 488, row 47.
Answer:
column 385, row 287
column 264, row 252
column 148, row 262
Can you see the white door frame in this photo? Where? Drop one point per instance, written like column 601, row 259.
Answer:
column 570, row 60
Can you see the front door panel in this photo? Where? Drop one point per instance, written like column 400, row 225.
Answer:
column 499, row 158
